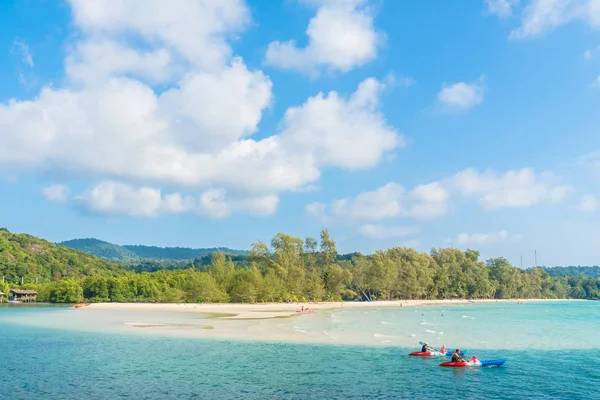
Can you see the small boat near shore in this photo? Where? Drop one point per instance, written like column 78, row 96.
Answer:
column 80, row 305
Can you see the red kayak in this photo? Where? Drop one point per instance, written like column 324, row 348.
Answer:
column 455, row 364
column 475, row 363
column 426, row 354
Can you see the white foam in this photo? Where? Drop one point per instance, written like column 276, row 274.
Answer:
column 380, row 335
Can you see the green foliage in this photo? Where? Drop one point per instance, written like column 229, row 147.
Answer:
column 290, row 269
column 27, row 259
column 67, row 291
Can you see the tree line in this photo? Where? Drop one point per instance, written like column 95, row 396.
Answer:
column 311, row 270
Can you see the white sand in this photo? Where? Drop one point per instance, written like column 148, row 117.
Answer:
column 279, row 310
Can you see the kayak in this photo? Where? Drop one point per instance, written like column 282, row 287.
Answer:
column 434, row 353
column 80, row 305
column 478, row 363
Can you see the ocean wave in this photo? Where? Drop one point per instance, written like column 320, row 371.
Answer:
column 380, row 335
column 430, row 331
column 426, row 323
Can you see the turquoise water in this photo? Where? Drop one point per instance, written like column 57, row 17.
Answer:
column 61, row 363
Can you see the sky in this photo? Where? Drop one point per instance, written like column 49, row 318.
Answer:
column 391, row 123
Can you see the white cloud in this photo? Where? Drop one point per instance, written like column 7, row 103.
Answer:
column 559, row 193
column 515, row 188
column 384, row 202
column 341, row 37
column 462, row 96
column 587, row 55
column 196, row 31
column 389, row 201
column 545, row 15
column 115, row 198
column 501, row 8
column 57, row 193
column 107, row 121
column 428, row 201
column 22, row 50
column 588, row 203
column 315, row 209
column 349, row 133
column 482, row 239
column 597, row 82
column 373, row 231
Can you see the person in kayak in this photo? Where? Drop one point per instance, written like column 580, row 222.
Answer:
column 456, row 356
column 426, row 348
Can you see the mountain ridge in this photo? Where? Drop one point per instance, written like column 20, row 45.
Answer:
column 127, row 253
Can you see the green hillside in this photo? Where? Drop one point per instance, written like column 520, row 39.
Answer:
column 30, row 259
column 135, row 253
column 587, row 272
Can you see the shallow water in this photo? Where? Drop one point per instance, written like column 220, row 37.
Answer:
column 91, row 362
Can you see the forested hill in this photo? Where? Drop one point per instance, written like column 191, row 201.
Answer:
column 289, row 268
column 129, row 253
column 588, row 272
column 31, row 259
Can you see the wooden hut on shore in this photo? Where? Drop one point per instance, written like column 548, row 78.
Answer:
column 22, row 296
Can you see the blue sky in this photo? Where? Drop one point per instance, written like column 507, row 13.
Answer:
column 425, row 124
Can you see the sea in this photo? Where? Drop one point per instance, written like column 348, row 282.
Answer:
column 552, row 351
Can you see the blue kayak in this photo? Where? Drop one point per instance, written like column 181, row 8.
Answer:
column 493, row 363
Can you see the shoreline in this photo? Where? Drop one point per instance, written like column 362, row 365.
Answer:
column 356, row 323
column 262, row 311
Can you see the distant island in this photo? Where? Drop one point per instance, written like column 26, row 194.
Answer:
column 290, row 269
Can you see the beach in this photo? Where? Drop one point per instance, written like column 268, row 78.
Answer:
column 359, row 323
column 279, row 310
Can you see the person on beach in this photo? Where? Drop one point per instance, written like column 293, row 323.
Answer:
column 426, row 347
column 456, row 356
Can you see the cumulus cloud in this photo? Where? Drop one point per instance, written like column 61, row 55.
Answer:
column 374, row 231
column 514, row 188
column 57, row 193
column 462, row 96
column 588, row 203
column 196, row 133
column 389, row 201
column 501, row 8
column 341, row 36
column 482, row 239
column 544, row 15
column 114, row 198
column 349, row 133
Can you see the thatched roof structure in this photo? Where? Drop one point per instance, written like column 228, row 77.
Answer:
column 22, row 291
